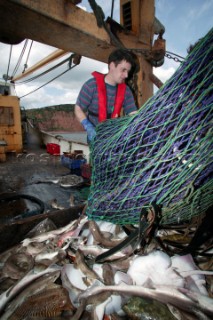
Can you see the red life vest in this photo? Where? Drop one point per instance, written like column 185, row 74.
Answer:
column 102, row 97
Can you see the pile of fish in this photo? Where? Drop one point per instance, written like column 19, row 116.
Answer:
column 54, row 274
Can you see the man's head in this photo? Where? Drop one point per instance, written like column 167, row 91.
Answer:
column 121, row 54
column 120, row 63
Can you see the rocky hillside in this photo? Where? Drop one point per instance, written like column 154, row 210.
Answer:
column 54, row 118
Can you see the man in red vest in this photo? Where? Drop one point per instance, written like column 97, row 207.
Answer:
column 103, row 96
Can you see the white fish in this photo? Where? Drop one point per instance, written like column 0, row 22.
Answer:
column 102, row 303
column 99, row 310
column 155, row 267
column 51, row 234
column 164, row 294
column 186, row 267
column 95, row 250
column 53, row 256
column 122, row 277
column 74, row 292
column 48, row 256
column 75, row 276
column 204, row 302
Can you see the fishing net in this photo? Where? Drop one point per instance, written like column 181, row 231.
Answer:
column 161, row 155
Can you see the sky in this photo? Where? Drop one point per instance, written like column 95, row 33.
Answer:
column 185, row 22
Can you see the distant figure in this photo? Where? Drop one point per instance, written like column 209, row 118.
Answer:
column 103, row 96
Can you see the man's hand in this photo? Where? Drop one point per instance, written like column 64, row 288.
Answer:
column 90, row 129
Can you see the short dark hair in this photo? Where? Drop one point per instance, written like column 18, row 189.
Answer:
column 121, row 54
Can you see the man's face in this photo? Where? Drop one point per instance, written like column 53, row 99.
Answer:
column 120, row 72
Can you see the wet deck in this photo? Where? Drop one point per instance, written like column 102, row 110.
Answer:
column 30, row 174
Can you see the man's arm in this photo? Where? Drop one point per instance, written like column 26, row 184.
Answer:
column 88, row 126
column 80, row 115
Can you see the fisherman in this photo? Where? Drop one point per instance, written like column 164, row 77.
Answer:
column 103, row 96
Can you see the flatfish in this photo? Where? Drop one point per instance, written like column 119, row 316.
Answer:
column 46, row 304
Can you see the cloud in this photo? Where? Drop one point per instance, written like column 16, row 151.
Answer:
column 62, row 90
column 164, row 74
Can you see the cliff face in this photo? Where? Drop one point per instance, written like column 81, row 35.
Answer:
column 55, row 118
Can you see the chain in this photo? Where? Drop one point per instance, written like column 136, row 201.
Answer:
column 176, row 59
column 147, row 52
column 99, row 14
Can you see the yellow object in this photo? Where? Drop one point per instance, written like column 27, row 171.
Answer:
column 10, row 124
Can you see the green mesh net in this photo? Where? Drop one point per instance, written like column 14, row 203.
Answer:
column 161, row 155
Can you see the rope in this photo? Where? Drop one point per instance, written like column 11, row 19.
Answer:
column 45, row 72
column 20, row 58
column 8, row 67
column 25, row 65
column 48, row 82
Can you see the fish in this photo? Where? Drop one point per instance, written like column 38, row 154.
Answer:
column 143, row 268
column 104, row 303
column 47, row 303
column 48, row 258
column 145, row 308
column 98, row 311
column 99, row 236
column 46, row 280
column 54, row 204
column 203, row 302
column 74, row 292
column 17, row 265
column 96, row 250
column 67, row 181
column 73, row 232
column 121, row 264
column 179, row 271
column 175, row 296
column 51, row 234
column 108, row 274
column 81, row 265
column 6, row 283
column 7, row 253
column 187, row 268
column 9, row 294
column 34, row 248
column 100, row 301
column 71, row 181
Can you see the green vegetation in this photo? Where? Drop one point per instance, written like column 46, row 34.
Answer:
column 33, row 113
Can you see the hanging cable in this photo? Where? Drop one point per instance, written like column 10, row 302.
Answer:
column 43, row 73
column 25, row 65
column 20, row 58
column 70, row 67
column 5, row 76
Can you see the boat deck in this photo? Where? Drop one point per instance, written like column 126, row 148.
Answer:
column 30, row 175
